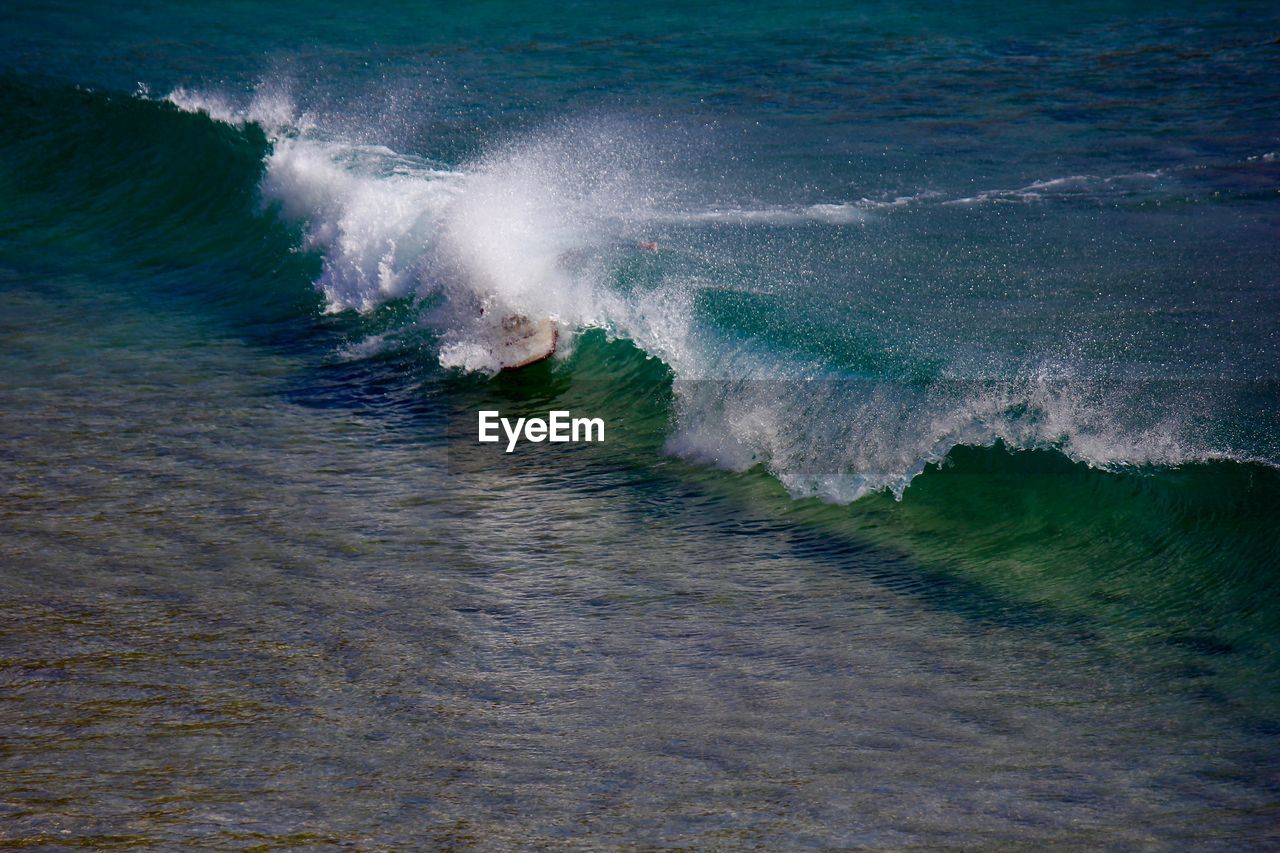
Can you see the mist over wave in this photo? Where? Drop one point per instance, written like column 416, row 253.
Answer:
column 557, row 223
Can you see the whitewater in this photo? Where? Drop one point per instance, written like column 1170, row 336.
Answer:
column 545, row 224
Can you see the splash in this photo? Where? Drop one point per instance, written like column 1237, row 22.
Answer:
column 536, row 227
column 554, row 224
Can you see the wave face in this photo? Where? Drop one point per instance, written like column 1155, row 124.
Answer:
column 843, row 345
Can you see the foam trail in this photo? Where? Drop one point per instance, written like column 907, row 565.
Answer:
column 832, row 214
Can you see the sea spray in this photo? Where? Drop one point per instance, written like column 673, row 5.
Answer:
column 553, row 224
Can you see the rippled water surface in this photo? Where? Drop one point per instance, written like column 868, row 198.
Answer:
column 938, row 496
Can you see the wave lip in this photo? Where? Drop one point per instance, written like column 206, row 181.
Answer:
column 841, row 439
column 270, row 108
column 371, row 212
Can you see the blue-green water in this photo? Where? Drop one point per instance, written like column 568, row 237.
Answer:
column 938, row 500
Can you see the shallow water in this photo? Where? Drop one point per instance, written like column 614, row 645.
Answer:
column 937, row 501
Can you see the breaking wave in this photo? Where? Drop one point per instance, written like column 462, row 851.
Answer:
column 582, row 223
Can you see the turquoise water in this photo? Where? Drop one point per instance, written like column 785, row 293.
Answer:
column 938, row 500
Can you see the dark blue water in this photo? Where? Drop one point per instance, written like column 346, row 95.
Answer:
column 938, row 351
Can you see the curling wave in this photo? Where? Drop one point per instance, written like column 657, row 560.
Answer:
column 558, row 224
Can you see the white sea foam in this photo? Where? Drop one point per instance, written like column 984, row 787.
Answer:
column 829, row 213
column 899, row 200
column 374, row 215
column 1033, row 191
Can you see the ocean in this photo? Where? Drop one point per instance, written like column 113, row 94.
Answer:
column 937, row 352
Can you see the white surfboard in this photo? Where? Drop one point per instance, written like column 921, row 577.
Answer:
column 523, row 341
